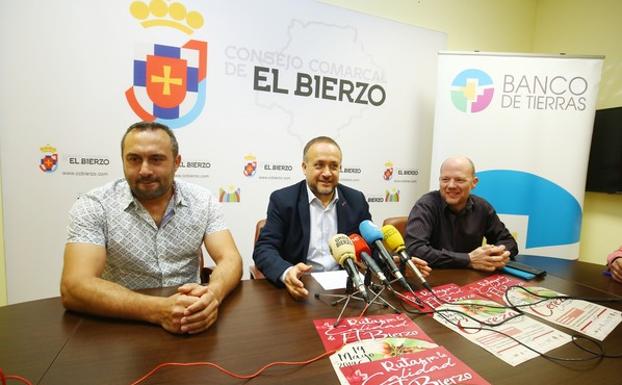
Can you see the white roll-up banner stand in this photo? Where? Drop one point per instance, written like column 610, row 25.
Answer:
column 526, row 122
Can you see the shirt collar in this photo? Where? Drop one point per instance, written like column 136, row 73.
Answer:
column 126, row 198
column 469, row 204
column 311, row 196
column 178, row 196
column 468, row 207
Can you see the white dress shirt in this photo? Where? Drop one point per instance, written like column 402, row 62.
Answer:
column 323, row 226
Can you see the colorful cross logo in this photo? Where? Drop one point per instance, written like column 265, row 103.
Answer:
column 472, row 90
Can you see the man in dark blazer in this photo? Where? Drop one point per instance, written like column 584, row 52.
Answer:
column 303, row 217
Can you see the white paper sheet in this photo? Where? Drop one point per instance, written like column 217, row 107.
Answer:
column 332, row 280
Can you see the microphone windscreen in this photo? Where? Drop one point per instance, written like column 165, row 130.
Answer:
column 360, row 246
column 341, row 248
column 370, row 231
column 392, row 238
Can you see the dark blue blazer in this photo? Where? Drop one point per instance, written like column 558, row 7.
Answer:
column 284, row 240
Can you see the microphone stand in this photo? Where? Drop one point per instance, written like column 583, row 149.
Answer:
column 403, row 271
column 415, row 298
column 372, row 287
column 352, row 293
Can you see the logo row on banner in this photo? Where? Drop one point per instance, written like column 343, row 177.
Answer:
column 169, row 87
column 50, row 162
column 169, row 82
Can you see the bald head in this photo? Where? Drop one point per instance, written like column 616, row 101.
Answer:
column 461, row 162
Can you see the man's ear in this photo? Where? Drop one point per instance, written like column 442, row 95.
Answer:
column 303, row 165
column 177, row 161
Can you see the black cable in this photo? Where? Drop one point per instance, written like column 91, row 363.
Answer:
column 598, row 353
column 547, row 298
column 419, row 312
column 515, row 307
column 575, row 337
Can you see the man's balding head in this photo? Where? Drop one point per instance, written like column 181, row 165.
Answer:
column 456, row 181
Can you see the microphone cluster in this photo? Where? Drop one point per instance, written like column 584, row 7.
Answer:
column 387, row 241
column 342, row 249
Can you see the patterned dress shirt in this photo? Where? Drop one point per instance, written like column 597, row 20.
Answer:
column 139, row 254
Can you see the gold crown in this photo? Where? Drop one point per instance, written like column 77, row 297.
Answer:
column 160, row 14
column 249, row 157
column 388, row 164
column 47, row 148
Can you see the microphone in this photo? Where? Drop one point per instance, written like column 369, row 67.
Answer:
column 342, row 249
column 363, row 252
column 394, row 242
column 372, row 234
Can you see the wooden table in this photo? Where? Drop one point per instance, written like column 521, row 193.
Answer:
column 258, row 324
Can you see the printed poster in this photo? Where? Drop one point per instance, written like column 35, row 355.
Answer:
column 591, row 319
column 433, row 366
column 373, row 350
column 448, row 293
column 354, row 329
column 493, row 287
column 528, row 331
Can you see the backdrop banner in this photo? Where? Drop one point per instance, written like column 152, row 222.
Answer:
column 526, row 122
column 245, row 84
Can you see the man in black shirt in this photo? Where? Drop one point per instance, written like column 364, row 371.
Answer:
column 446, row 227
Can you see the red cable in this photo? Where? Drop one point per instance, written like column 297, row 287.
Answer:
column 230, row 373
column 4, row 377
column 363, row 312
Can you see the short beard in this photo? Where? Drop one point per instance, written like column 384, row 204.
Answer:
column 323, row 192
column 148, row 195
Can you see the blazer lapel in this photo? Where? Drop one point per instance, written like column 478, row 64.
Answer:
column 342, row 206
column 305, row 218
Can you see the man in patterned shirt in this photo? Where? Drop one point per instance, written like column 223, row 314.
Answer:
column 146, row 230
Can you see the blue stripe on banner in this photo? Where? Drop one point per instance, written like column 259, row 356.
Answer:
column 554, row 214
